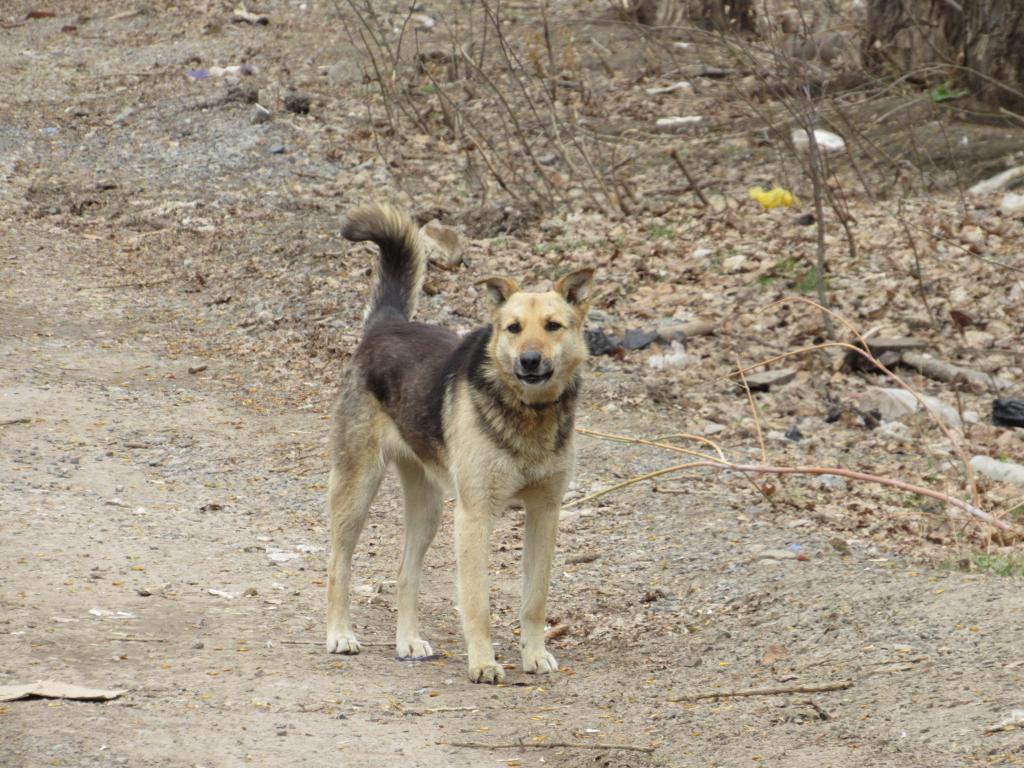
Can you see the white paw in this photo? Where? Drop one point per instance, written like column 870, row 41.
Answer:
column 416, row 648
column 539, row 662
column 342, row 642
column 487, row 672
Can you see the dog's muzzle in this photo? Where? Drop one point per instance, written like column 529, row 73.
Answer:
column 531, row 368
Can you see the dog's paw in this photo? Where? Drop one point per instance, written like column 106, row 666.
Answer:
column 488, row 672
column 416, row 648
column 342, row 642
column 539, row 662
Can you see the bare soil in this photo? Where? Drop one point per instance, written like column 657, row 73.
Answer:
column 176, row 311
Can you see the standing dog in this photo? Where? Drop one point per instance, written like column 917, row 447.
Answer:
column 488, row 415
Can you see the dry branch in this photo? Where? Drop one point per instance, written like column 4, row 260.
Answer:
column 766, row 469
column 547, row 745
column 841, row 685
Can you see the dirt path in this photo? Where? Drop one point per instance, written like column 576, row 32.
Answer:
column 130, row 488
column 134, row 476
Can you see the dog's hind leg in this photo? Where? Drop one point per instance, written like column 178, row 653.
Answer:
column 350, row 490
column 538, row 550
column 423, row 505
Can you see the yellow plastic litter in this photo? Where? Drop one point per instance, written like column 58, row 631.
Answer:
column 774, row 197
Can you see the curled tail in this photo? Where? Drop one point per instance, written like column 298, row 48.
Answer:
column 398, row 276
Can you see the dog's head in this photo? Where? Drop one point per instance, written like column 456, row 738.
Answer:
column 537, row 338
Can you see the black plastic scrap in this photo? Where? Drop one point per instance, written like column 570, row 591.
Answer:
column 1008, row 413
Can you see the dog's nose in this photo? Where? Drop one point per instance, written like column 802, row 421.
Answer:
column 529, row 361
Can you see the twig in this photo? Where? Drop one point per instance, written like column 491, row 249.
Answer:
column 686, row 172
column 841, row 685
column 435, row 710
column 715, row 463
column 638, row 479
column 144, row 284
column 547, row 745
column 753, row 411
column 317, row 642
column 19, row 420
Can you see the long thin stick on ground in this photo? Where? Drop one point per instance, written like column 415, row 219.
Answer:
column 713, row 462
column 548, row 745
column 840, row 685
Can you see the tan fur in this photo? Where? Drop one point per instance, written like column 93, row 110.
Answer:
column 503, row 441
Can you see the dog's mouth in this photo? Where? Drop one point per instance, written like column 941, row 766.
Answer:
column 533, row 378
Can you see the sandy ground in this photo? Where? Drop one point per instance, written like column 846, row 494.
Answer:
column 132, row 487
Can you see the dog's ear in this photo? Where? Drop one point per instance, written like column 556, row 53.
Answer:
column 498, row 289
column 576, row 286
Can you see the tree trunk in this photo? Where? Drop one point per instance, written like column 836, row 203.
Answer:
column 978, row 44
column 995, row 51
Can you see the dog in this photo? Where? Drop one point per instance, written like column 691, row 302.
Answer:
column 488, row 417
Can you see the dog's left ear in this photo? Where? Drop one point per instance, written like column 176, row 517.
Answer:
column 576, row 286
column 498, row 289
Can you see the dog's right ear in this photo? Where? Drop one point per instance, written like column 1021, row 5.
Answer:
column 498, row 289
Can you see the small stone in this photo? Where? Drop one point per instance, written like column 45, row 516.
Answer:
column 442, row 244
column 794, row 434
column 839, row 545
column 765, row 380
column 635, row 339
column 250, row 592
column 682, row 85
column 299, row 103
column 733, row 264
column 806, row 220
column 277, row 149
column 599, row 317
column 832, row 483
column 827, row 141
column 672, row 331
column 893, row 404
column 259, row 114
column 671, row 124
column 143, row 592
column 1012, row 204
column 198, row 645
column 1000, row 471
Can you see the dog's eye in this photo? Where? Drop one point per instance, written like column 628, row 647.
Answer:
column 551, row 326
column 514, row 328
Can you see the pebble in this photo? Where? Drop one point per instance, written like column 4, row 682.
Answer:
column 1000, row 471
column 299, row 103
column 832, row 483
column 893, row 404
column 765, row 380
column 733, row 264
column 277, row 149
column 259, row 114
column 827, row 141
column 678, row 123
column 1012, row 204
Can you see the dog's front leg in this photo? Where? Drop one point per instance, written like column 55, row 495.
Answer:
column 538, row 552
column 472, row 529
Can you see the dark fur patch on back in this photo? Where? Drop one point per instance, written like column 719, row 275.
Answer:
column 411, row 367
column 404, row 366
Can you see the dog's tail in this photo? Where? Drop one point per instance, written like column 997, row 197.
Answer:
column 398, row 276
